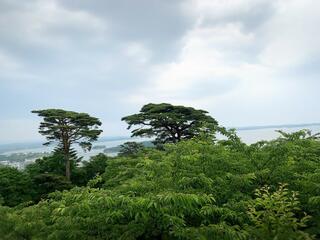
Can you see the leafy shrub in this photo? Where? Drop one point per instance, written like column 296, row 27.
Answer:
column 195, row 189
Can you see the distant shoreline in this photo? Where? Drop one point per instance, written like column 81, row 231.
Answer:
column 277, row 126
column 38, row 144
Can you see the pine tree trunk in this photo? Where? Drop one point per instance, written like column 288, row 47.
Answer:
column 66, row 149
column 68, row 167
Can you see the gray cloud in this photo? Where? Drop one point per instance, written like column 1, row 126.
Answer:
column 110, row 57
column 158, row 24
column 250, row 14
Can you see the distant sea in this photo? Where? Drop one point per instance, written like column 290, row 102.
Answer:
column 38, row 148
column 248, row 134
column 253, row 134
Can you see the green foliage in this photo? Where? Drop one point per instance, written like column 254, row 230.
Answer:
column 68, row 128
column 15, row 186
column 169, row 123
column 194, row 189
column 59, row 125
column 48, row 183
column 90, row 169
column 128, row 149
column 274, row 215
column 53, row 164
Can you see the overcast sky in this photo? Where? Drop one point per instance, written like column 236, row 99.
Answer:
column 247, row 62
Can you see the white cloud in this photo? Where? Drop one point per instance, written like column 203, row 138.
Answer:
column 242, row 75
column 246, row 61
column 291, row 36
column 210, row 56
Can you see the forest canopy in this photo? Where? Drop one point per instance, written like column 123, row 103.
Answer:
column 195, row 188
column 170, row 123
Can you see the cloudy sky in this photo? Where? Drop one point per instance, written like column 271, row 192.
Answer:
column 248, row 62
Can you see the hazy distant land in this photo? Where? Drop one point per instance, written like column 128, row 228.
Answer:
column 20, row 154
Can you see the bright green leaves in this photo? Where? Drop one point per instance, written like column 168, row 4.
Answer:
column 274, row 215
column 194, row 189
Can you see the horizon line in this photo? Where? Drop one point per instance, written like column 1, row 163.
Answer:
column 244, row 128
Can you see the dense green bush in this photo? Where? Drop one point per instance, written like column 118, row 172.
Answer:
column 15, row 186
column 90, row 169
column 194, row 189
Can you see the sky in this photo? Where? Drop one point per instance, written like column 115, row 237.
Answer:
column 247, row 62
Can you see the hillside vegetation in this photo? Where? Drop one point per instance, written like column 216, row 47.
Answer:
column 196, row 188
